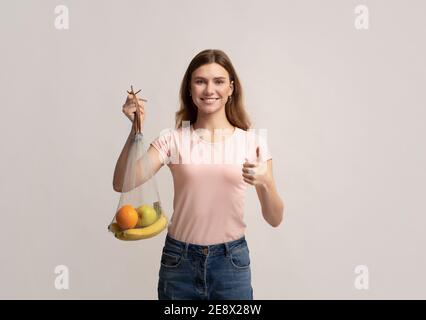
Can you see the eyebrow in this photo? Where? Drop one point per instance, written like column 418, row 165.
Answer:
column 213, row 78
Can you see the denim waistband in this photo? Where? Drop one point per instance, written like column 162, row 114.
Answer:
column 214, row 249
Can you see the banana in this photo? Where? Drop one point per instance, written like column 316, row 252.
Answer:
column 144, row 233
column 114, row 227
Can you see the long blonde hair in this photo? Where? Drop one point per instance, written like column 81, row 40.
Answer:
column 234, row 108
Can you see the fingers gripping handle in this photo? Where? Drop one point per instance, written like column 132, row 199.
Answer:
column 137, row 121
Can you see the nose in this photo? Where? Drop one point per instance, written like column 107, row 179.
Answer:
column 209, row 89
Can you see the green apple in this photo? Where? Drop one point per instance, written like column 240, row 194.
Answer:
column 147, row 215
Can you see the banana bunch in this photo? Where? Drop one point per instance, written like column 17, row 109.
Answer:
column 140, row 233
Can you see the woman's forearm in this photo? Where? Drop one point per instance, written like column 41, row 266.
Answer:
column 120, row 167
column 271, row 203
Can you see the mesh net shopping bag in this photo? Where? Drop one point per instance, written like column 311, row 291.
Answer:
column 139, row 214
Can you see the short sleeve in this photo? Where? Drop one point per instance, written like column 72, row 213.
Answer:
column 162, row 143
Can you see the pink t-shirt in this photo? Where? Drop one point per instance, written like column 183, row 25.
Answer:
column 209, row 190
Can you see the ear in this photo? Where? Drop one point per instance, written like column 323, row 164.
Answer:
column 231, row 85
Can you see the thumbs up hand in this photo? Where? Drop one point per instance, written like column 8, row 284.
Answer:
column 256, row 173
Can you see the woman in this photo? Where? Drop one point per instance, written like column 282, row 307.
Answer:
column 205, row 255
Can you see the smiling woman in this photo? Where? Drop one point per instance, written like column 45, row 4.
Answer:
column 211, row 87
column 211, row 94
column 206, row 255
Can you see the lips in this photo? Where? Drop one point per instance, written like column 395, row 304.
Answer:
column 209, row 99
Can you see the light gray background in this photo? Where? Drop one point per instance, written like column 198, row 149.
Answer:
column 344, row 109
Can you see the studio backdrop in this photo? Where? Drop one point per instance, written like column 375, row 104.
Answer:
column 338, row 85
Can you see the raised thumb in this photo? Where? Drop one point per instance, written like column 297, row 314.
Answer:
column 258, row 154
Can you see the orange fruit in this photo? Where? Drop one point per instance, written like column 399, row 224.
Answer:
column 127, row 217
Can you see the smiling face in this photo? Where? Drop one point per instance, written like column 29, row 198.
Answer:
column 210, row 87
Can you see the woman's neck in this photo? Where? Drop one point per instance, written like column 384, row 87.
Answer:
column 212, row 124
column 215, row 128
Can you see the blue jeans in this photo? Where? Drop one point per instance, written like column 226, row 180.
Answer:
column 215, row 272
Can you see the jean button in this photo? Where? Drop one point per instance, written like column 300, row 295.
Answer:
column 205, row 251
